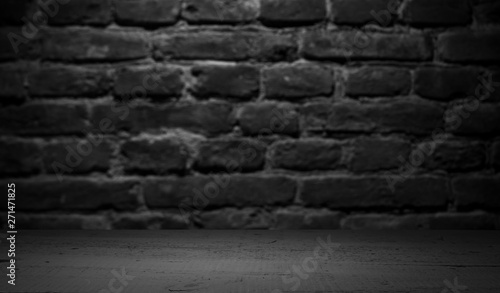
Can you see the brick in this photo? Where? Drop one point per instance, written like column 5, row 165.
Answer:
column 378, row 81
column 306, row 155
column 469, row 46
column 345, row 117
column 33, row 221
column 205, row 118
column 454, row 155
column 494, row 93
column 373, row 192
column 359, row 45
column 13, row 11
column 62, row 81
column 149, row 81
column 230, row 155
column 437, row 12
column 409, row 115
column 315, row 115
column 496, row 155
column 230, row 218
column 100, row 45
column 359, row 12
column 476, row 191
column 268, row 118
column 292, row 82
column 48, row 193
column 292, row 12
column 149, row 221
column 376, row 153
column 154, row 155
column 446, row 83
column 89, row 194
column 14, row 44
column 220, row 11
column 474, row 119
column 487, row 12
column 386, row 221
column 19, row 157
column 78, row 155
column 463, row 221
column 210, row 192
column 147, row 12
column 93, row 12
column 36, row 118
column 230, row 46
column 208, row 118
column 307, row 219
column 239, row 82
column 12, row 81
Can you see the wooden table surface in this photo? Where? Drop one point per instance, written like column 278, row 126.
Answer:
column 255, row 261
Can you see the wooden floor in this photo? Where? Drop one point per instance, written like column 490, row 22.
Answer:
column 255, row 261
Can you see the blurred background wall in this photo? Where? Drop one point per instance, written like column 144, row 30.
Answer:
column 270, row 114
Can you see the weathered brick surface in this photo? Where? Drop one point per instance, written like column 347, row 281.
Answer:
column 69, row 81
column 386, row 221
column 477, row 191
column 19, row 157
column 455, row 156
column 307, row 219
column 437, row 12
column 13, row 44
column 251, row 114
column 358, row 12
column 370, row 192
column 207, row 118
column 463, row 221
column 409, row 115
column 43, row 119
column 375, row 153
column 469, row 46
column 232, row 46
column 148, row 220
column 378, row 81
column 298, row 81
column 231, row 218
column 149, row 81
column 231, row 155
column 476, row 119
column 15, row 10
column 232, row 82
column 95, row 12
column 486, row 12
column 446, row 83
column 306, row 155
column 78, row 155
column 496, row 155
column 13, row 82
column 292, row 12
column 220, row 11
column 268, row 118
column 441, row 221
column 202, row 192
column 100, row 45
column 61, row 221
column 147, row 12
column 154, row 155
column 359, row 45
column 75, row 194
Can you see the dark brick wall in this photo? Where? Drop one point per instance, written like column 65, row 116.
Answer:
column 272, row 114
